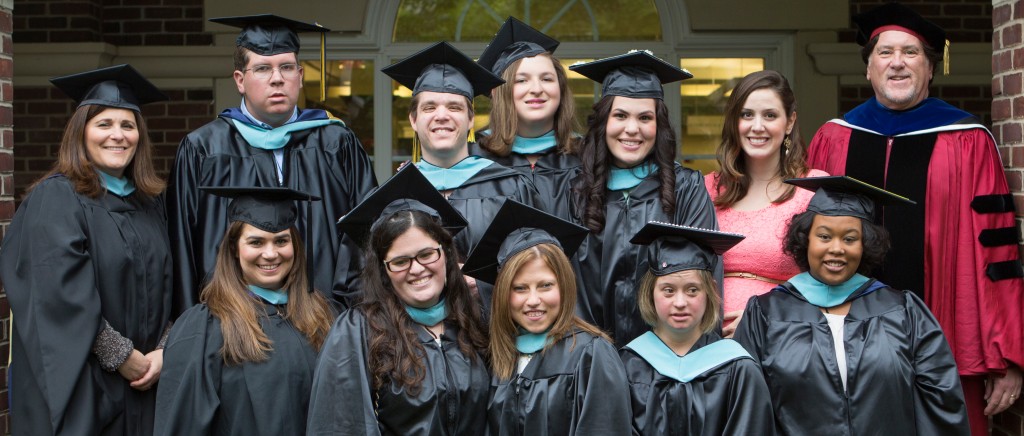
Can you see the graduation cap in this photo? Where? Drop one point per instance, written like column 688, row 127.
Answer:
column 637, row 74
column 846, row 196
column 517, row 227
column 515, row 40
column 673, row 248
column 443, row 68
column 119, row 86
column 407, row 190
column 895, row 16
column 269, row 34
column 269, row 209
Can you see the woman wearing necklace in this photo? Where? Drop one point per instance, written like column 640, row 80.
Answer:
column 554, row 374
column 241, row 362
column 86, row 265
column 684, row 379
column 844, row 353
column 761, row 146
column 533, row 116
column 629, row 177
column 409, row 358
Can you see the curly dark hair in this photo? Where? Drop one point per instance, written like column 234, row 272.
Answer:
column 596, row 162
column 395, row 353
column 798, row 238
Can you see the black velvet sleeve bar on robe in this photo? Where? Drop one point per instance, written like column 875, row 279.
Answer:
column 452, row 399
column 901, row 377
column 551, row 174
column 730, row 399
column 576, row 387
column 326, row 161
column 610, row 267
column 199, row 395
column 67, row 262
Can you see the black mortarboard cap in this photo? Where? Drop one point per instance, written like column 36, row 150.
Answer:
column 895, row 16
column 407, row 190
column 268, row 209
column 637, row 74
column 515, row 40
column 673, row 248
column 846, row 196
column 269, row 34
column 119, row 86
column 517, row 227
column 443, row 68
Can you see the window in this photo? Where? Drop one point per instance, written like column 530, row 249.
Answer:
column 349, row 95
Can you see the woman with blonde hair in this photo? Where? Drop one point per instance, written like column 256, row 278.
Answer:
column 553, row 373
column 241, row 362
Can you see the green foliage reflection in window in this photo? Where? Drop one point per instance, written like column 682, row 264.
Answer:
column 565, row 20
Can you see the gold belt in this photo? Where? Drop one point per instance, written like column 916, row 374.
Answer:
column 747, row 275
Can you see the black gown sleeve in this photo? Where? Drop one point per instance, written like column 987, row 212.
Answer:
column 188, row 396
column 750, row 331
column 748, row 402
column 939, row 401
column 602, row 393
column 182, row 201
column 342, row 398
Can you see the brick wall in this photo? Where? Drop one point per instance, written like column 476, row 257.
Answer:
column 6, row 189
column 118, row 22
column 1007, row 118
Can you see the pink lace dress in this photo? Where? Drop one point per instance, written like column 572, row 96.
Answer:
column 760, row 254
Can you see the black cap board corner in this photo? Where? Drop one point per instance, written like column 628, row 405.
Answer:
column 120, row 86
column 517, row 227
column 443, row 68
column 515, row 40
column 673, row 248
column 637, row 74
column 406, row 190
column 847, row 196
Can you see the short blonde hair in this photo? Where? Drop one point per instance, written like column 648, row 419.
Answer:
column 645, row 300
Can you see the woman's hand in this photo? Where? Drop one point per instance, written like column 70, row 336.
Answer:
column 731, row 321
column 135, row 367
column 1002, row 391
column 156, row 364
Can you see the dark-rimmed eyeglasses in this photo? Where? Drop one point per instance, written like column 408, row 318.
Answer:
column 263, row 72
column 425, row 257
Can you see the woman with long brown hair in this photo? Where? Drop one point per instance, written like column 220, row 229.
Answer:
column 410, row 357
column 553, row 372
column 241, row 362
column 629, row 177
column 86, row 266
column 533, row 127
column 761, row 146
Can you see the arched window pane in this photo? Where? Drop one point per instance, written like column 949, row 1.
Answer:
column 565, row 20
column 703, row 101
column 349, row 94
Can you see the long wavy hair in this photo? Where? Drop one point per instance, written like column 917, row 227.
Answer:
column 74, row 163
column 504, row 329
column 504, row 122
column 732, row 181
column 229, row 300
column 395, row 353
column 596, row 162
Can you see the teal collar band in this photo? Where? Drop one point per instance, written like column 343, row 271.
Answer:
column 430, row 316
column 272, row 297
column 538, row 145
column 120, row 186
column 445, row 179
column 529, row 343
column 686, row 368
column 822, row 295
column 628, row 178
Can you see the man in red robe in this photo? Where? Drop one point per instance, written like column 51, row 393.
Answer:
column 957, row 247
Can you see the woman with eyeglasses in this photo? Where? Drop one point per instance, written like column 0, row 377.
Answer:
column 409, row 358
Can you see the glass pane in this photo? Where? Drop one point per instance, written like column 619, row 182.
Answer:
column 565, row 20
column 703, row 105
column 349, row 95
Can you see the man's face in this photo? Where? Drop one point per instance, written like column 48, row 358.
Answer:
column 442, row 123
column 899, row 71
column 270, row 99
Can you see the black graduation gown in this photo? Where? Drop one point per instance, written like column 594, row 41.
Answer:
column 610, row 267
column 199, row 395
column 901, row 377
column 729, row 399
column 552, row 175
column 452, row 399
column 67, row 262
column 326, row 161
column 576, row 387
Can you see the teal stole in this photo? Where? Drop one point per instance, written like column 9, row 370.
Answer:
column 430, row 316
column 628, row 178
column 445, row 179
column 270, row 296
column 119, row 186
column 693, row 364
column 822, row 295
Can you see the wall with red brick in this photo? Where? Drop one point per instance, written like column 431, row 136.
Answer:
column 6, row 187
column 118, row 22
column 1007, row 118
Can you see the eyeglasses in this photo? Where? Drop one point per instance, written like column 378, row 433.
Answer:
column 264, row 72
column 424, row 257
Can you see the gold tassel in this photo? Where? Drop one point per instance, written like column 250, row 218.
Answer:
column 415, row 148
column 471, row 137
column 945, row 59
column 323, row 67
